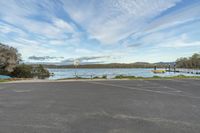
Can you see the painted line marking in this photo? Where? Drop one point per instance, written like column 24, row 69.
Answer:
column 163, row 86
column 145, row 90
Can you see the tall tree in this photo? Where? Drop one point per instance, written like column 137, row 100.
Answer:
column 190, row 62
column 9, row 57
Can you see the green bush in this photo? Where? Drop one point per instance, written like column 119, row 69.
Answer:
column 96, row 77
column 40, row 72
column 119, row 76
column 157, row 77
column 4, row 72
column 104, row 77
column 28, row 71
column 23, row 71
column 124, row 77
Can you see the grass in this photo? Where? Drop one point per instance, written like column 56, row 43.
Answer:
column 157, row 77
column 136, row 78
column 124, row 77
column 14, row 79
column 4, row 80
column 116, row 77
column 96, row 77
column 184, row 77
column 73, row 78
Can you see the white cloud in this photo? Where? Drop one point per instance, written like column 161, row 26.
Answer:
column 165, row 27
column 32, row 33
column 180, row 42
column 28, row 49
column 181, row 16
column 114, row 20
column 38, row 25
column 63, row 25
column 19, row 13
column 6, row 28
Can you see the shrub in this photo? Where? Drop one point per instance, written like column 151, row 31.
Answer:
column 40, row 72
column 104, row 77
column 28, row 71
column 96, row 77
column 4, row 72
column 119, row 76
column 23, row 71
column 124, row 77
column 157, row 77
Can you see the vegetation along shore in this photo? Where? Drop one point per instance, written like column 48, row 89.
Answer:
column 12, row 65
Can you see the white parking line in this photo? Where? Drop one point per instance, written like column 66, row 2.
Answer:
column 21, row 90
column 145, row 90
column 163, row 86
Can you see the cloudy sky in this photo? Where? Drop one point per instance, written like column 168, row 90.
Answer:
column 103, row 31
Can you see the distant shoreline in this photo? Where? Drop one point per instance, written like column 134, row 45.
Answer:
column 113, row 65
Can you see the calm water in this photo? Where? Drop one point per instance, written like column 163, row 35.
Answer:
column 141, row 72
column 4, row 77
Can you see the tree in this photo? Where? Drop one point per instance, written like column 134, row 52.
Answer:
column 23, row 71
column 40, row 72
column 29, row 71
column 9, row 58
column 191, row 62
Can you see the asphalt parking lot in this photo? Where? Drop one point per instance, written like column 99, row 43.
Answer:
column 123, row 106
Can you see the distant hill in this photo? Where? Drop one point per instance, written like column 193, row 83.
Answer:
column 112, row 65
column 165, row 63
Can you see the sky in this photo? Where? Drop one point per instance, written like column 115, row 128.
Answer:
column 101, row 31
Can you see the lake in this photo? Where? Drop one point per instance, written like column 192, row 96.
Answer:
column 111, row 73
column 4, row 77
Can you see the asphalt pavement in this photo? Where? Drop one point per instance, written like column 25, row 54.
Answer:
column 122, row 106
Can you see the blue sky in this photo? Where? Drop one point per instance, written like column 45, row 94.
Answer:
column 101, row 31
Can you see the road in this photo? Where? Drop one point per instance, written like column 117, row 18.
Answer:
column 123, row 106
